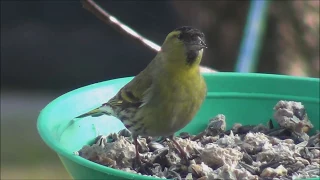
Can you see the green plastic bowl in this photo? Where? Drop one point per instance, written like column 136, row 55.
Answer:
column 246, row 98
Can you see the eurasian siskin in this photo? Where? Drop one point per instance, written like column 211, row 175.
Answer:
column 166, row 95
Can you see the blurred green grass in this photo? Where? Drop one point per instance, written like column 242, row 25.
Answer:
column 23, row 154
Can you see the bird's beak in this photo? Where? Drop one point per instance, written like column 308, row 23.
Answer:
column 197, row 44
column 201, row 43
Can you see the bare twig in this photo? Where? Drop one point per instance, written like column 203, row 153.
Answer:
column 95, row 9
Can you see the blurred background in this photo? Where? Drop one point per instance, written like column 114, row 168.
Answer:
column 51, row 47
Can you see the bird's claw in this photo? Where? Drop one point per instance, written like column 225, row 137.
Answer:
column 185, row 158
column 141, row 167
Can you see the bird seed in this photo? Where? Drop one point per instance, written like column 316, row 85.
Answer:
column 251, row 152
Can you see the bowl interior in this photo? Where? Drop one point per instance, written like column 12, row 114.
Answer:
column 246, row 98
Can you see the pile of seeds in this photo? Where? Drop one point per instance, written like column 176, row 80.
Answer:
column 243, row 152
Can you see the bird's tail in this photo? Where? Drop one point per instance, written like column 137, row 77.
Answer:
column 105, row 109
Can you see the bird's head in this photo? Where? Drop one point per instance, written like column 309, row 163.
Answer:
column 184, row 46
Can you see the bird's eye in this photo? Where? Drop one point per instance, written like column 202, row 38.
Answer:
column 179, row 36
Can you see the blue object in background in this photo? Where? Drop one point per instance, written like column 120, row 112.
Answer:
column 253, row 33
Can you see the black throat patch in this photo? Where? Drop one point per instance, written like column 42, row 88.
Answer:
column 192, row 56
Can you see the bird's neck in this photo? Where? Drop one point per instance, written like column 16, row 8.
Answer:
column 179, row 65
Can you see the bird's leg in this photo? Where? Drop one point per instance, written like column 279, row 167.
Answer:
column 183, row 154
column 138, row 163
column 138, row 159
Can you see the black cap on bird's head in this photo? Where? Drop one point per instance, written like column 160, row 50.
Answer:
column 191, row 36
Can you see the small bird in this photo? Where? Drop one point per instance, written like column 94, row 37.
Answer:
column 166, row 95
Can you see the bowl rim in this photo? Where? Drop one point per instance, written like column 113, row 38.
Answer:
column 52, row 144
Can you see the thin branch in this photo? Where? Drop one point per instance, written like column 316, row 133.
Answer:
column 95, row 9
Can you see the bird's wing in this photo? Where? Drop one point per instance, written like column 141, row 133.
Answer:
column 130, row 96
column 133, row 94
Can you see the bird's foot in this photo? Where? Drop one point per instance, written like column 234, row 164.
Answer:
column 138, row 165
column 184, row 157
column 183, row 154
column 141, row 166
